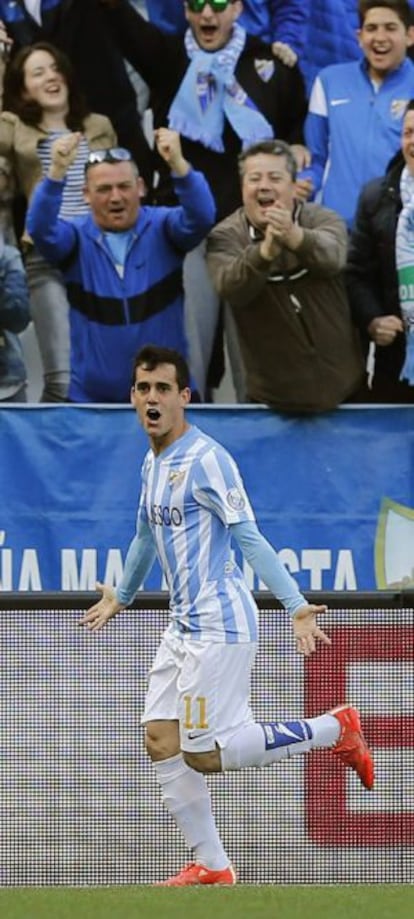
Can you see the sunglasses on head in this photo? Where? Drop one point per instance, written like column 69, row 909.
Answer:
column 110, row 155
column 196, row 6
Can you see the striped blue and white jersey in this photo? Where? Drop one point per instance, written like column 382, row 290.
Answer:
column 190, row 495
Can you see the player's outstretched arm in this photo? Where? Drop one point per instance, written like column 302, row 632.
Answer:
column 139, row 559
column 266, row 563
column 99, row 614
column 306, row 629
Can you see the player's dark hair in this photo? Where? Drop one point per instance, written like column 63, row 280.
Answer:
column 28, row 110
column 272, row 147
column 400, row 7
column 151, row 356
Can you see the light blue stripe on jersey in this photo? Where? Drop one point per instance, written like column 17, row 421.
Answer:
column 222, row 478
column 206, row 538
column 212, row 530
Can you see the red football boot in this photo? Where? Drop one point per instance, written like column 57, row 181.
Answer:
column 352, row 747
column 193, row 874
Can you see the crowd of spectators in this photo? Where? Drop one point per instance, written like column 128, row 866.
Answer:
column 259, row 211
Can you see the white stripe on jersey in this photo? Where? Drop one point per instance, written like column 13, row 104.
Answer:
column 318, row 104
column 190, row 495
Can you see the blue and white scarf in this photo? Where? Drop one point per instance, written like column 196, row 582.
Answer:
column 404, row 257
column 210, row 92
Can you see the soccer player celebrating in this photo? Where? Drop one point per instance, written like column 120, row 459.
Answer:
column 197, row 713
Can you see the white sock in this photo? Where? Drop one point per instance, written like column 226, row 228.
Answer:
column 325, row 730
column 187, row 798
column 259, row 744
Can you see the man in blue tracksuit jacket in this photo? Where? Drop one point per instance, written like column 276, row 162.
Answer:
column 122, row 262
column 353, row 126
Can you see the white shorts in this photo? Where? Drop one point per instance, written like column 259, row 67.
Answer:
column 205, row 686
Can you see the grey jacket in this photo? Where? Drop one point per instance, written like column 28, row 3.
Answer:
column 300, row 349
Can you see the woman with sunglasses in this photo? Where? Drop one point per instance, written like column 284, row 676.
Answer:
column 42, row 103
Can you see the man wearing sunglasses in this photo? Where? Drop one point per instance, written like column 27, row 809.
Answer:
column 281, row 23
column 222, row 90
column 122, row 262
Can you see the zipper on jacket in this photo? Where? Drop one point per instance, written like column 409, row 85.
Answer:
column 108, row 253
column 297, row 306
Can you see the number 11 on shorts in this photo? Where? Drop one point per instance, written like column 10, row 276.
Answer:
column 195, row 707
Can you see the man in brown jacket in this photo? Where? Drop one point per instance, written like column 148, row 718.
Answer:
column 279, row 264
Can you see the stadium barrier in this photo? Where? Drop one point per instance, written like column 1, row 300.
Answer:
column 333, row 493
column 78, row 801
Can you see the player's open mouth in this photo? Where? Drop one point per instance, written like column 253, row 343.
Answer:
column 153, row 414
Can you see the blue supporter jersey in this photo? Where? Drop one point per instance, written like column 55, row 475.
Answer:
column 353, row 129
column 191, row 493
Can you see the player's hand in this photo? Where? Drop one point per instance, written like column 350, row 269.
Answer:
column 306, row 629
column 99, row 614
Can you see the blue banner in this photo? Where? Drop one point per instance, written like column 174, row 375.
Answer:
column 334, row 494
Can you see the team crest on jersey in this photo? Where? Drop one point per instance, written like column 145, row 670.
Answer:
column 176, row 477
column 265, row 69
column 397, row 108
column 235, row 499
